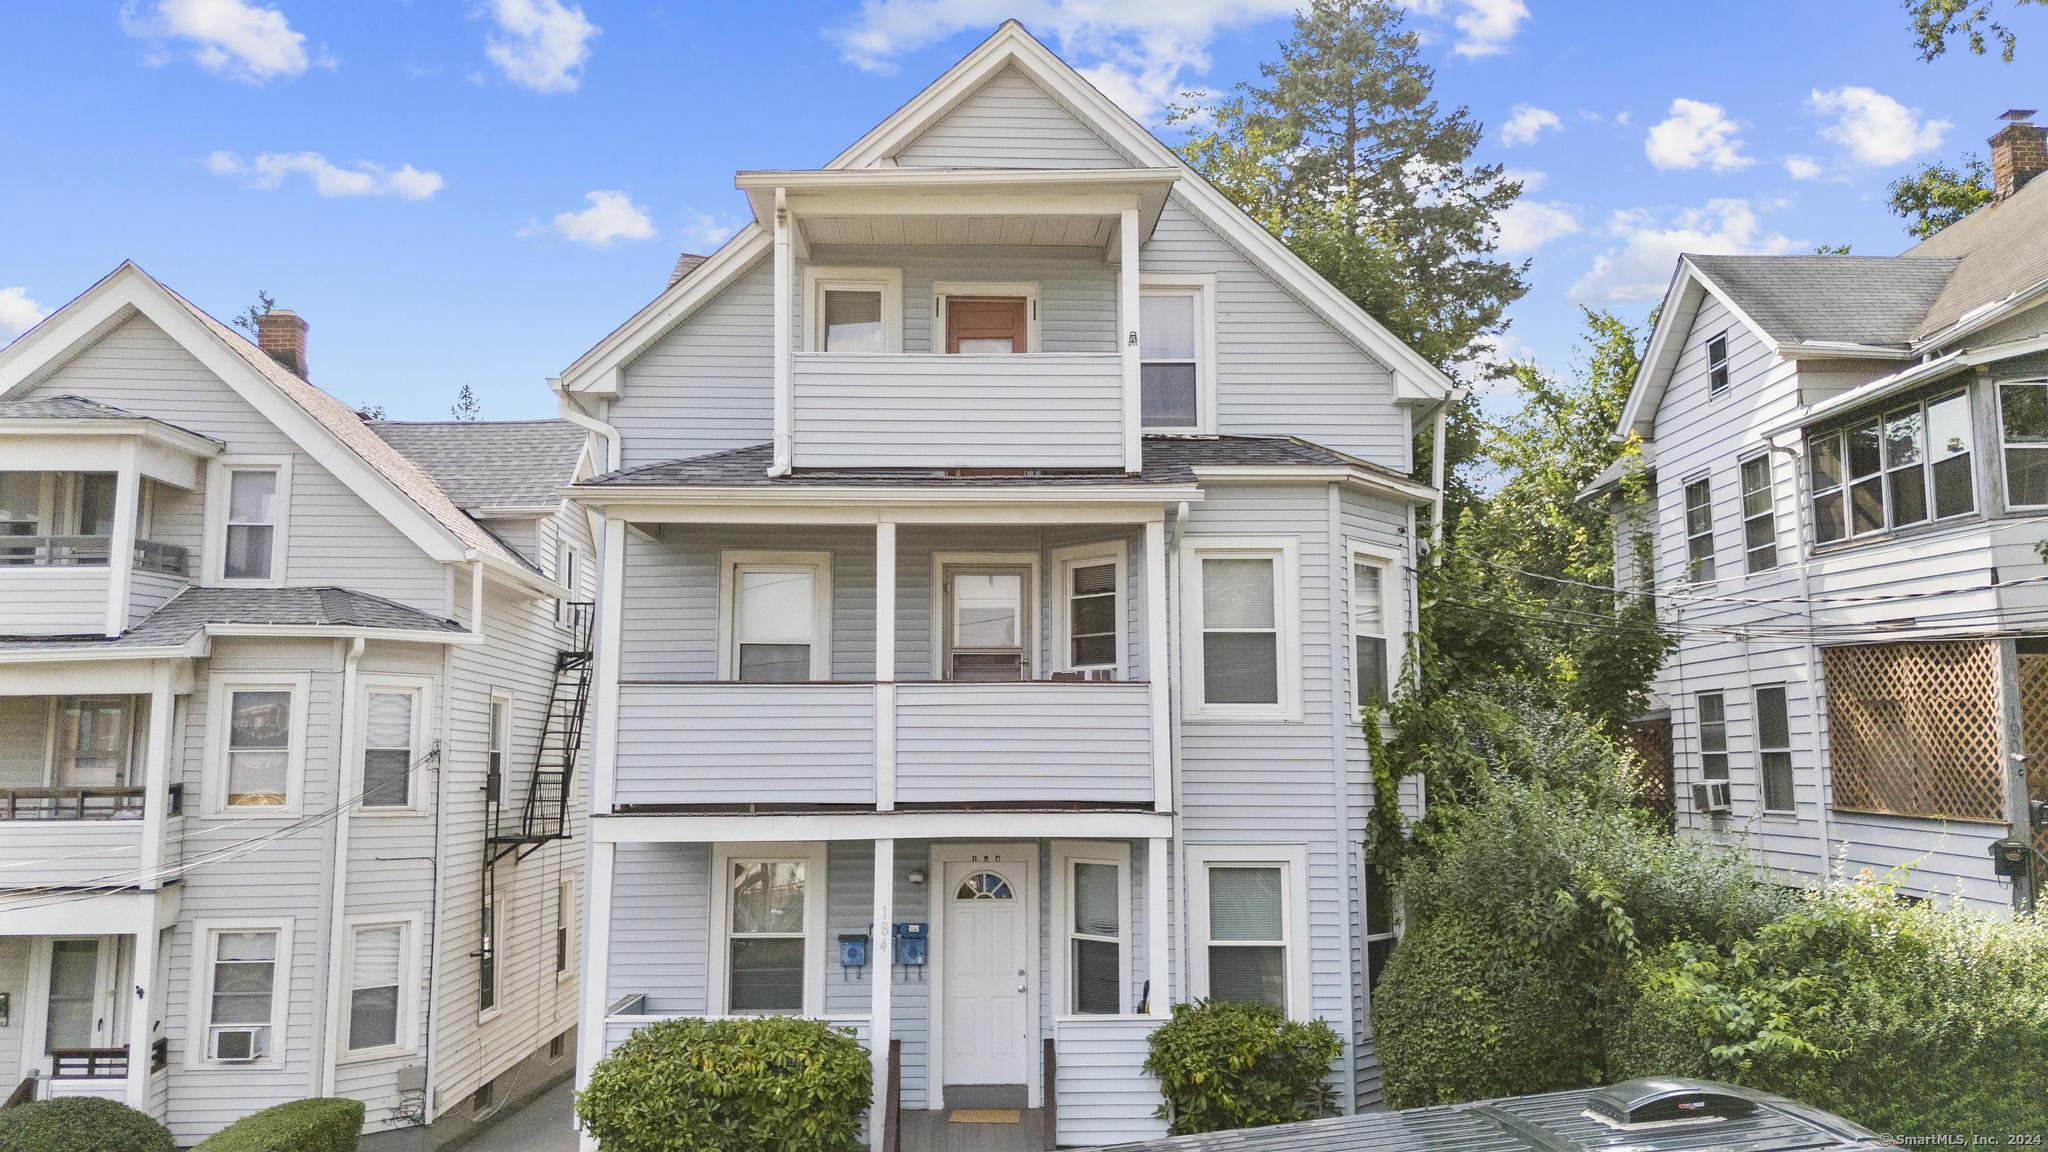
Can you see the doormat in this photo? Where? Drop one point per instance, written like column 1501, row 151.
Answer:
column 986, row 1116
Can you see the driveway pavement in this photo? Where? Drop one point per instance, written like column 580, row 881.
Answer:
column 541, row 1126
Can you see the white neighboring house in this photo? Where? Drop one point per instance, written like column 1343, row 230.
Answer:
column 275, row 686
column 1002, row 534
column 1850, row 474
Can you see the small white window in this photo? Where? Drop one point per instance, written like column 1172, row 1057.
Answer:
column 257, row 736
column 248, row 502
column 1373, row 610
column 500, row 741
column 569, row 574
column 1774, row 747
column 1717, row 365
column 1242, row 630
column 1247, row 912
column 1759, row 516
column 393, row 731
column 776, row 620
column 376, row 983
column 1713, row 717
column 1090, row 618
column 242, row 977
column 1699, row 531
column 1382, row 923
column 1091, row 910
column 855, row 311
column 1176, row 355
column 565, row 920
column 490, row 937
column 769, row 915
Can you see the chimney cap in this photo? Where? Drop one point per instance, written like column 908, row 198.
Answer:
column 2016, row 115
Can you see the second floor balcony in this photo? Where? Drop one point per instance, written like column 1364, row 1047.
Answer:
column 74, row 792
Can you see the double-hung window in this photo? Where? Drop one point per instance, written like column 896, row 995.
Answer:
column 1169, row 359
column 242, row 975
column 565, row 915
column 1382, row 923
column 1905, row 467
column 1774, row 747
column 1713, row 719
column 1241, row 630
column 490, row 937
column 1089, row 619
column 1371, row 629
column 1247, row 915
column 1093, row 909
column 498, row 740
column 2023, row 437
column 1759, row 516
column 777, row 616
column 769, row 913
column 1699, row 531
column 392, row 744
column 1717, row 365
column 258, row 726
column 376, row 975
column 569, row 574
column 249, row 544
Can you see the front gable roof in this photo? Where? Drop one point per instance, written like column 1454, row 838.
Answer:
column 323, row 427
column 1013, row 48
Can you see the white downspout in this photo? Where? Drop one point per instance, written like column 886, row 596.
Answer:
column 785, row 420
column 1180, row 843
column 572, row 411
column 337, row 914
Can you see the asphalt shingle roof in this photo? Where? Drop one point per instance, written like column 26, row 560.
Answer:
column 195, row 608
column 485, row 463
column 1168, row 460
column 2003, row 249
column 1859, row 299
column 76, row 408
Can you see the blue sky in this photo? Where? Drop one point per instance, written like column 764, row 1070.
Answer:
column 475, row 191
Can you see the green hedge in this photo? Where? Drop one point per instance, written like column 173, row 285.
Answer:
column 81, row 1124
column 323, row 1124
column 1223, row 1065
column 772, row 1084
column 1907, row 1018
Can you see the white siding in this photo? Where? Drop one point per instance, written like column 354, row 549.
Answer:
column 1009, row 122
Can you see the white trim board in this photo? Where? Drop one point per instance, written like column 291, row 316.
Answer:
column 1293, row 859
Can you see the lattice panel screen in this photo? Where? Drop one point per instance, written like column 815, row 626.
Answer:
column 1913, row 729
column 1651, row 740
column 2034, row 732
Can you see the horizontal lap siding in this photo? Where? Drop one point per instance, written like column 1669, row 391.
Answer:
column 1023, row 742
column 53, row 601
column 1105, row 1096
column 709, row 384
column 148, row 591
column 1009, row 122
column 38, row 852
column 983, row 411
column 746, row 744
column 1076, row 289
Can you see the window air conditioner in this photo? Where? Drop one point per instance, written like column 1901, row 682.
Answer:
column 235, row 1045
column 1710, row 797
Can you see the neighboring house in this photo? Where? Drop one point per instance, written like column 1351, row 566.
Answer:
column 1002, row 533
column 275, row 685
column 1849, row 481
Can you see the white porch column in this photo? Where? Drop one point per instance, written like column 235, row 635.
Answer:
column 121, row 545
column 1127, row 306
column 140, row 1009
column 880, row 980
column 1156, row 664
column 1158, row 890
column 156, row 773
column 885, row 665
column 785, row 268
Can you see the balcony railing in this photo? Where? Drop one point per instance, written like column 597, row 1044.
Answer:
column 81, row 803
column 88, row 1063
column 88, row 552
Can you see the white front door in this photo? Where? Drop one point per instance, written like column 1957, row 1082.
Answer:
column 987, row 993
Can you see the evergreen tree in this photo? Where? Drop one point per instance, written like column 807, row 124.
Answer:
column 466, row 406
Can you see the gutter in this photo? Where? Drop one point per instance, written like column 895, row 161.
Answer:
column 1925, row 372
column 572, row 411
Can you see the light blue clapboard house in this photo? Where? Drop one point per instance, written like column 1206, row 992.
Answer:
column 1001, row 535
column 287, row 756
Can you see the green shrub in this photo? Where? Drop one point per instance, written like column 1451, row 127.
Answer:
column 81, row 1124
column 1223, row 1065
column 756, row 1085
column 1521, row 908
column 1907, row 1018
column 324, row 1124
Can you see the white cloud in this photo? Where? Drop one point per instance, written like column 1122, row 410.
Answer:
column 1802, row 167
column 611, row 217
column 1526, row 122
column 234, row 38
column 1875, row 130
column 1696, row 133
column 540, row 44
column 18, row 312
column 1527, row 225
column 704, row 232
column 1485, row 27
column 270, row 169
column 1639, row 266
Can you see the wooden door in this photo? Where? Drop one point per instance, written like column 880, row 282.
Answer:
column 987, row 324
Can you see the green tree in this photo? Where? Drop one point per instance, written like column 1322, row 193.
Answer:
column 1937, row 195
column 1936, row 22
column 466, row 406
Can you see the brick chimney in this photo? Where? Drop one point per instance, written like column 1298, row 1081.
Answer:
column 282, row 333
column 2018, row 153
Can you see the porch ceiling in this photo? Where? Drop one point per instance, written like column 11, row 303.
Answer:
column 954, row 206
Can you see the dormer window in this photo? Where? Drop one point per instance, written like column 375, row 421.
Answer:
column 1717, row 365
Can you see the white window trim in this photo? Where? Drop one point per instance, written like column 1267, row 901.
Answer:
column 1998, row 388
column 1727, row 362
column 1064, row 561
column 1687, row 535
column 220, row 687
column 723, row 857
column 217, row 481
column 422, row 729
column 1763, row 773
column 408, row 987
column 1066, row 854
column 569, row 563
column 1028, row 290
column 199, row 1023
column 1203, row 287
column 565, row 897
column 818, row 278
column 1283, row 550
column 1389, row 562
column 1743, row 517
column 502, row 737
column 729, row 564
column 1033, row 597
column 501, row 913
column 1292, row 860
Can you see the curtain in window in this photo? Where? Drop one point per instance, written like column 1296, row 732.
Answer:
column 387, row 750
column 259, row 748
column 1247, row 949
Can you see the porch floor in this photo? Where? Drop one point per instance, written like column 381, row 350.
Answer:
column 925, row 1131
